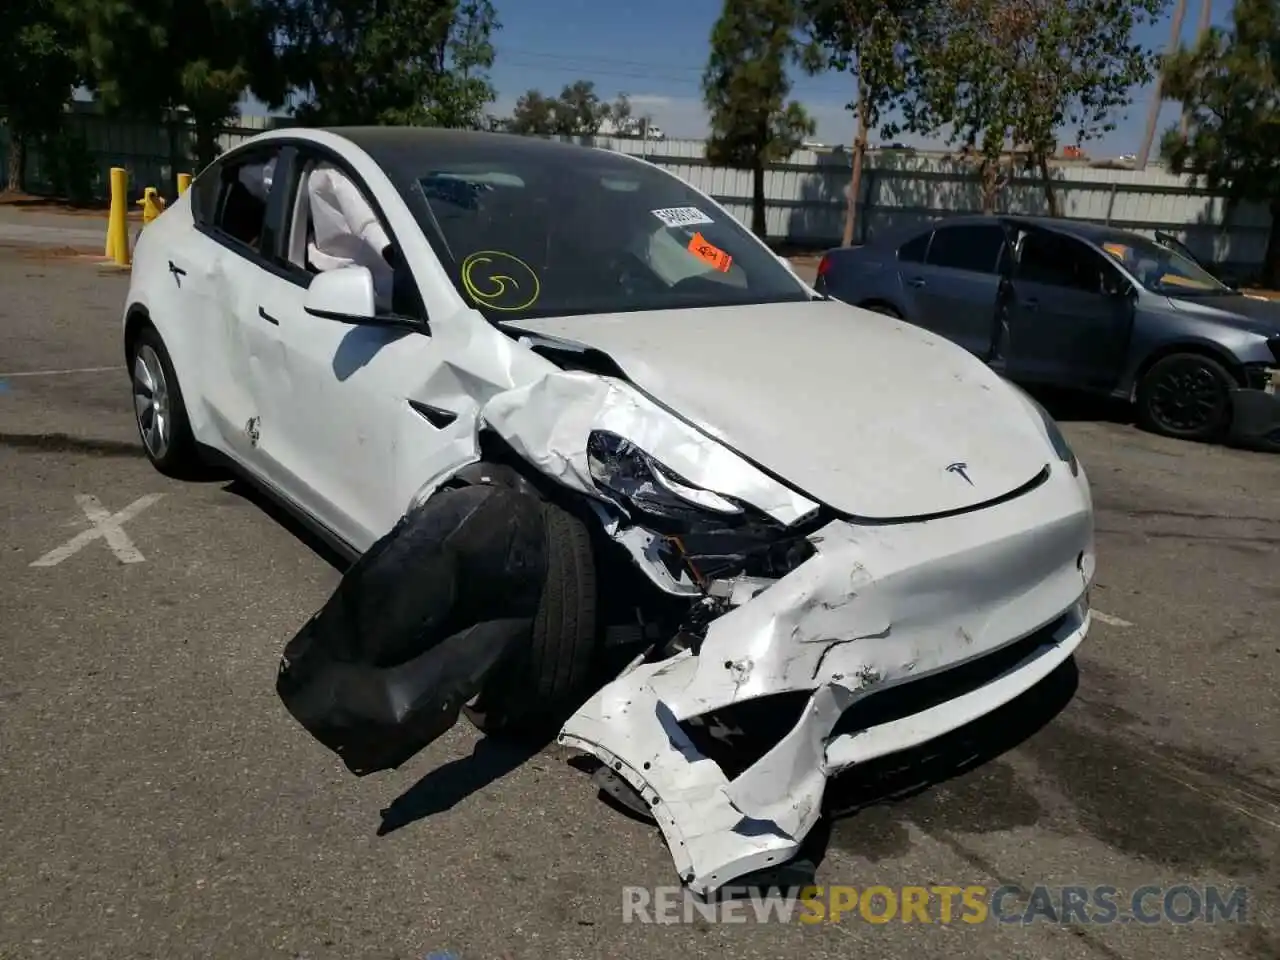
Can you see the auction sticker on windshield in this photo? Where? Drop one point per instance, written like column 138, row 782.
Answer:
column 709, row 253
column 681, row 216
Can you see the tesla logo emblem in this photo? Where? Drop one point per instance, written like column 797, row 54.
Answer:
column 960, row 470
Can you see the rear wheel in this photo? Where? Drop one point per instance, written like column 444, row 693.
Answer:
column 534, row 693
column 159, row 409
column 1186, row 395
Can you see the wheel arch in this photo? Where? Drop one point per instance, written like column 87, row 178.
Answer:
column 136, row 318
column 1202, row 347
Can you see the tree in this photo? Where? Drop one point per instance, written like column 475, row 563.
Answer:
column 37, row 75
column 745, row 88
column 389, row 61
column 1018, row 73
column 579, row 111
column 534, row 114
column 1229, row 84
column 866, row 39
column 620, row 113
column 147, row 57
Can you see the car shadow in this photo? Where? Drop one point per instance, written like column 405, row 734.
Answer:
column 250, row 493
column 451, row 783
column 1069, row 406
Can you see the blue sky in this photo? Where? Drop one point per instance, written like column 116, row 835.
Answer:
column 655, row 50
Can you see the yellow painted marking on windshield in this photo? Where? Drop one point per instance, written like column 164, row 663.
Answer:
column 502, row 284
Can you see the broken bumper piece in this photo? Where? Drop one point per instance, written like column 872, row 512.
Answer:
column 417, row 625
column 982, row 606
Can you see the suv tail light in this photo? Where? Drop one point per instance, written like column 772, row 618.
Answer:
column 825, row 264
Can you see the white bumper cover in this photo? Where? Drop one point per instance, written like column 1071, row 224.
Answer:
column 877, row 607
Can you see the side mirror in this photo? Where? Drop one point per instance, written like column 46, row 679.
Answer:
column 345, row 295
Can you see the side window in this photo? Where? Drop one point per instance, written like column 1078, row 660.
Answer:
column 204, row 192
column 1060, row 261
column 241, row 208
column 913, row 250
column 970, row 247
column 334, row 223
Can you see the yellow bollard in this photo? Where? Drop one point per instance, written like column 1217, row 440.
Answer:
column 117, row 227
column 184, row 181
column 152, row 205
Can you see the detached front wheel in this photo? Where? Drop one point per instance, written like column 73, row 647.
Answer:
column 1186, row 396
column 533, row 693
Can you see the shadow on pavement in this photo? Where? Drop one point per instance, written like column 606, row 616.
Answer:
column 1067, row 406
column 447, row 785
column 251, row 494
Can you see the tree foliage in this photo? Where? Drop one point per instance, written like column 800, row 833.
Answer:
column 578, row 111
column 1001, row 74
column 745, row 88
column 1229, row 85
column 37, row 74
column 147, row 57
column 388, row 62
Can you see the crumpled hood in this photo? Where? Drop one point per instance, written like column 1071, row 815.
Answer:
column 1247, row 313
column 870, row 415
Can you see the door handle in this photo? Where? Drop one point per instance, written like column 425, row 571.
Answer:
column 916, row 282
column 267, row 317
column 178, row 273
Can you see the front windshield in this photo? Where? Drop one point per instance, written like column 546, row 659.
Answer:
column 1162, row 270
column 538, row 233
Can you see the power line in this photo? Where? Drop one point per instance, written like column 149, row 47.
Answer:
column 564, row 68
column 548, row 55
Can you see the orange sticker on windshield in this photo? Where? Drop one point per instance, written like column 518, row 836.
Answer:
column 709, row 253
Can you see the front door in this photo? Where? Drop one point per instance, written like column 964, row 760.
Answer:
column 1069, row 314
column 344, row 426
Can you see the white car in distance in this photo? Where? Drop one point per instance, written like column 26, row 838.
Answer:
column 795, row 503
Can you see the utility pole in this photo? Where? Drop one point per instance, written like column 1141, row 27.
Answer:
column 1157, row 95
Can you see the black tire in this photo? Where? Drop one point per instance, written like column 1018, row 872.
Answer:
column 883, row 310
column 180, row 456
column 535, row 692
column 1186, row 396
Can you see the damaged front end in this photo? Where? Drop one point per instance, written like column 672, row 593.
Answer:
column 792, row 642
column 812, row 643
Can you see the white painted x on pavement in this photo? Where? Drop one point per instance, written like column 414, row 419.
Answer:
column 109, row 526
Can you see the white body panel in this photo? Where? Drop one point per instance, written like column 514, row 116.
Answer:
column 784, row 407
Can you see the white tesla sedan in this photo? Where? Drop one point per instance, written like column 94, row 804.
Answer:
column 807, row 512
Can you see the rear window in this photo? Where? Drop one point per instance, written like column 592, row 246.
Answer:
column 530, row 233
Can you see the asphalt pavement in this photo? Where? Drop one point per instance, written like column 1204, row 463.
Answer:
column 157, row 801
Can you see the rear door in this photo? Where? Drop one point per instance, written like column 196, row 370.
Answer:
column 956, row 287
column 229, row 248
column 1069, row 316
